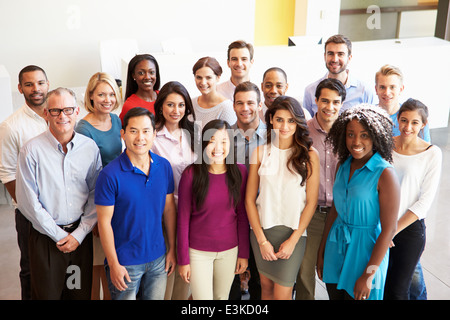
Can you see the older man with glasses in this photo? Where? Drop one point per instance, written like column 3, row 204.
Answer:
column 56, row 177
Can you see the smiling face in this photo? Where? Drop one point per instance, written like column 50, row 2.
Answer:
column 328, row 106
column 206, row 80
column 336, row 57
column 34, row 87
column 240, row 63
column 274, row 85
column 284, row 124
column 358, row 141
column 145, row 75
column 103, row 98
column 173, row 109
column 138, row 136
column 389, row 89
column 218, row 147
column 62, row 125
column 410, row 123
column 247, row 108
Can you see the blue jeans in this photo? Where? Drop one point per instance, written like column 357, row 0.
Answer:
column 418, row 289
column 149, row 279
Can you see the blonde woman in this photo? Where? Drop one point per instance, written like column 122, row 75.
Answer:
column 101, row 125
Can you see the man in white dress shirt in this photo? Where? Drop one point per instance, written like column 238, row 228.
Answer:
column 24, row 124
column 240, row 61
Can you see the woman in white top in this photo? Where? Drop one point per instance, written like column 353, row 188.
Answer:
column 175, row 141
column 210, row 104
column 418, row 165
column 281, row 197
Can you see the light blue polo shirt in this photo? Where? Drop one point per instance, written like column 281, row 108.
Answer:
column 139, row 202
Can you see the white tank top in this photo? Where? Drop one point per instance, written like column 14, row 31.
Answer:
column 281, row 198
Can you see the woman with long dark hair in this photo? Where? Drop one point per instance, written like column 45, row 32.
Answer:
column 212, row 224
column 281, row 198
column 176, row 141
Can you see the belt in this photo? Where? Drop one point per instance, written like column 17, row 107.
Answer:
column 323, row 209
column 71, row 226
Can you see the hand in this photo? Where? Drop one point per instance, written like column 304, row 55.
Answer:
column 118, row 275
column 67, row 244
column 361, row 290
column 185, row 272
column 286, row 249
column 392, row 244
column 319, row 265
column 241, row 265
column 171, row 262
column 267, row 251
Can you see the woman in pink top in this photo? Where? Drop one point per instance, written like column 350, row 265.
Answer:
column 212, row 225
column 143, row 83
column 176, row 141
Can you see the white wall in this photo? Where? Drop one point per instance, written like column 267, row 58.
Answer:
column 63, row 36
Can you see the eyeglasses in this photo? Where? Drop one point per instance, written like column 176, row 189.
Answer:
column 56, row 112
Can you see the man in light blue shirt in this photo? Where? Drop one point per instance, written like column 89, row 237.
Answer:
column 56, row 176
column 338, row 54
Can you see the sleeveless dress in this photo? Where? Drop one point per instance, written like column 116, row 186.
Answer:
column 280, row 203
column 354, row 232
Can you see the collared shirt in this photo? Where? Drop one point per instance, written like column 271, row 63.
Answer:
column 180, row 155
column 17, row 129
column 55, row 188
column 139, row 201
column 328, row 162
column 244, row 148
column 356, row 92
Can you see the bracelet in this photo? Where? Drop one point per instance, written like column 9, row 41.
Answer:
column 263, row 243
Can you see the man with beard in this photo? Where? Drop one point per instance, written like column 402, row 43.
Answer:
column 18, row 128
column 338, row 54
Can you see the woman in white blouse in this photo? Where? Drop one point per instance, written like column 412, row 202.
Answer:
column 176, row 141
column 281, row 197
column 418, row 165
column 210, row 104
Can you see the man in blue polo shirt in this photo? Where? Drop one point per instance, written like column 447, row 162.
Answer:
column 134, row 198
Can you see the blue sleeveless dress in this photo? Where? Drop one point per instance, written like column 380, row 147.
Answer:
column 354, row 232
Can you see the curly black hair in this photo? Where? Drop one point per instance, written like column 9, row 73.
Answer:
column 374, row 119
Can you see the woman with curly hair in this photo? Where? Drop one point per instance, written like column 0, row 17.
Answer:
column 353, row 255
column 281, row 197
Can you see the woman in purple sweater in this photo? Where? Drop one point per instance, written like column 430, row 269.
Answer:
column 212, row 226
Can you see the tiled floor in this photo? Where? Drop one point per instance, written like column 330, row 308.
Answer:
column 435, row 260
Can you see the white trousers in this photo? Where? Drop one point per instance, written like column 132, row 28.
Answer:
column 212, row 273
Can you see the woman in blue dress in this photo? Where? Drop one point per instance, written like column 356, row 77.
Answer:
column 353, row 255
